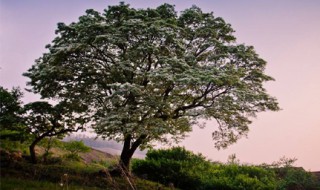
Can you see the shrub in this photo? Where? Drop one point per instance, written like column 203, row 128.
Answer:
column 176, row 165
column 191, row 171
column 13, row 135
column 74, row 148
column 232, row 176
column 14, row 146
column 296, row 178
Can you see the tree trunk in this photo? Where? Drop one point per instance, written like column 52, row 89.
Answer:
column 32, row 149
column 127, row 152
column 33, row 153
column 125, row 159
column 126, row 155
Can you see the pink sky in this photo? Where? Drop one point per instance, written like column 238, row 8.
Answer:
column 285, row 33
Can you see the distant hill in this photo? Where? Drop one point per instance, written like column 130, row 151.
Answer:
column 96, row 155
column 107, row 146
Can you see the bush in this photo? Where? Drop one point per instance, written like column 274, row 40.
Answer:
column 232, row 176
column 14, row 146
column 74, row 148
column 191, row 171
column 291, row 178
column 12, row 135
column 296, row 178
column 176, row 165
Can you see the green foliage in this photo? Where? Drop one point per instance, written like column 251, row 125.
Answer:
column 296, row 178
column 10, row 107
column 176, row 165
column 189, row 171
column 14, row 146
column 107, row 163
column 45, row 120
column 74, row 148
column 48, row 144
column 149, row 74
column 14, row 135
column 233, row 176
column 290, row 177
column 52, row 142
column 176, row 153
column 11, row 122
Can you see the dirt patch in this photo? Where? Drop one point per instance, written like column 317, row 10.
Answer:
column 96, row 155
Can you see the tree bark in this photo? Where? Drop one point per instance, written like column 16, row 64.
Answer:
column 32, row 149
column 125, row 159
column 49, row 133
column 127, row 152
column 126, row 155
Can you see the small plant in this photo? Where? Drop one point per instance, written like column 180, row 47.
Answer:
column 74, row 148
column 48, row 144
column 232, row 159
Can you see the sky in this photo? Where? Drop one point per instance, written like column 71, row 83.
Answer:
column 285, row 33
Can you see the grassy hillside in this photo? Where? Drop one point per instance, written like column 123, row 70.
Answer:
column 59, row 168
column 60, row 171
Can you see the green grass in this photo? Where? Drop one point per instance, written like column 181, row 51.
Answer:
column 24, row 175
column 13, row 181
column 22, row 184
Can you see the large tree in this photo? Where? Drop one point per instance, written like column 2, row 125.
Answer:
column 150, row 74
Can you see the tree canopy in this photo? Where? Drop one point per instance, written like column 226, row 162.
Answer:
column 150, row 74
